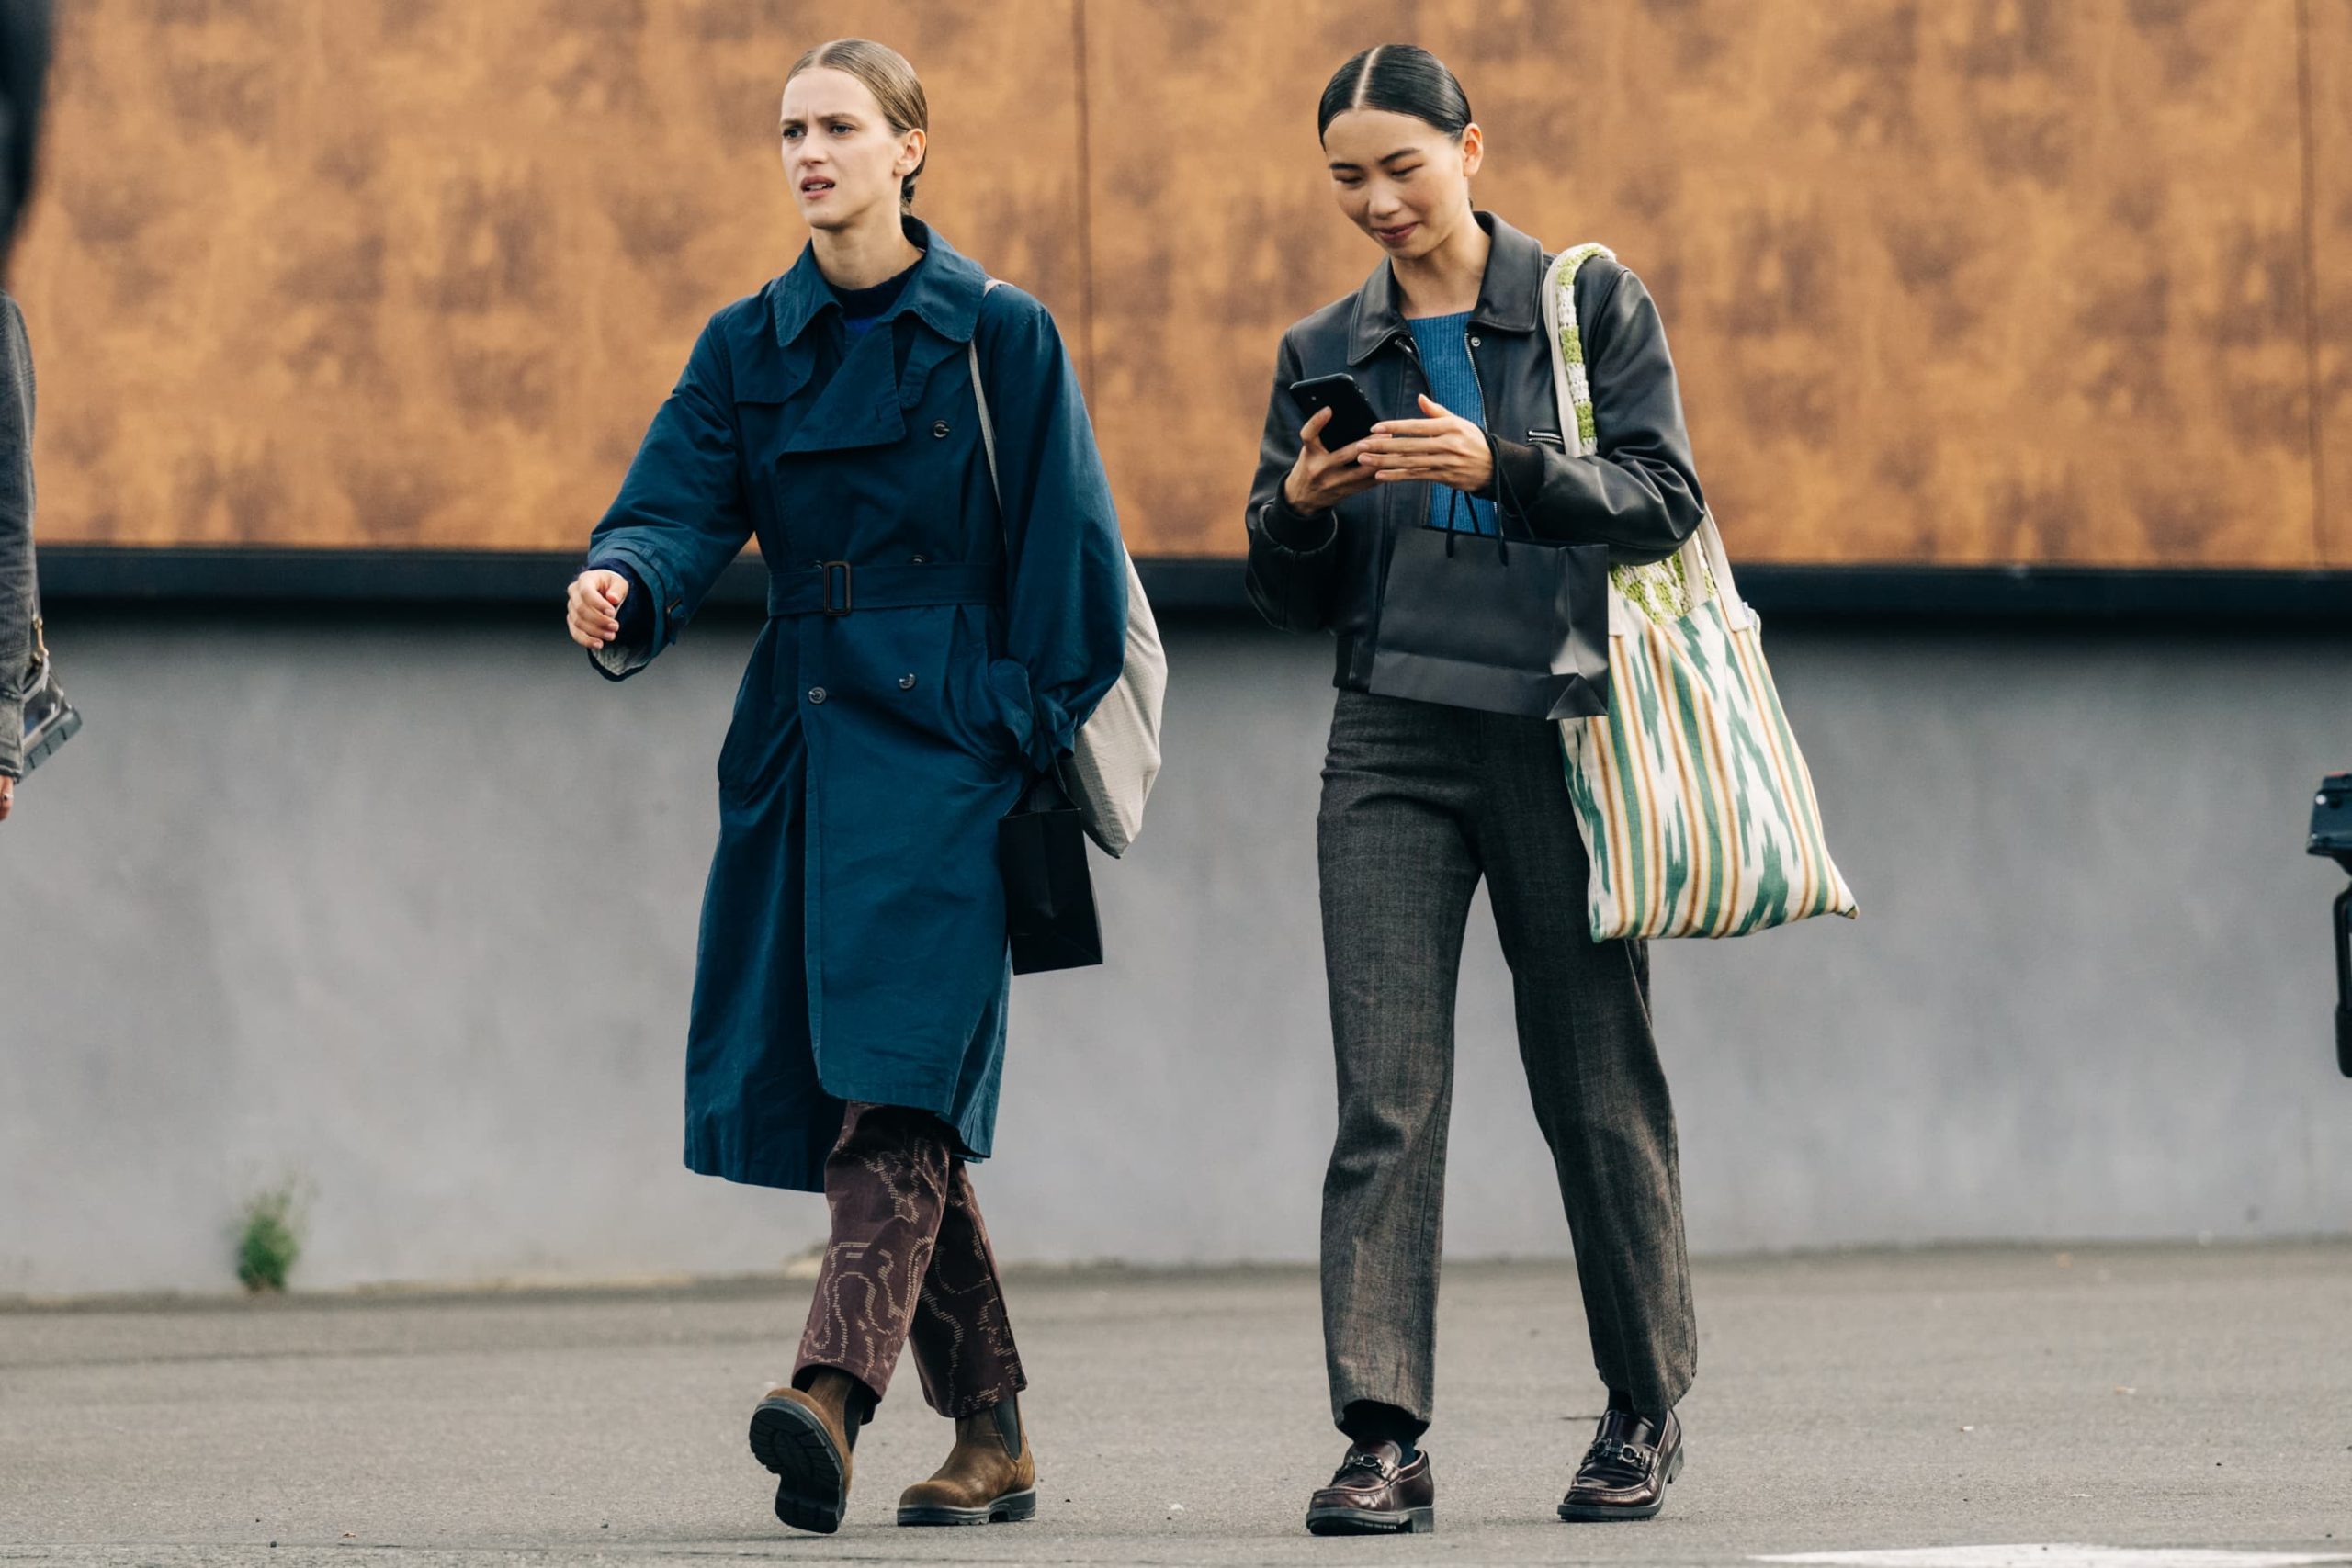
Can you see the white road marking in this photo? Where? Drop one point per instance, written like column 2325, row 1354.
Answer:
column 2059, row 1555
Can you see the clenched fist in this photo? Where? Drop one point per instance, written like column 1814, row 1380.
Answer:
column 593, row 607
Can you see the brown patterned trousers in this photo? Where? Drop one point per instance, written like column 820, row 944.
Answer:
column 909, row 1262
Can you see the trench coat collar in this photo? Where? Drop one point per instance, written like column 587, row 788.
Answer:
column 1507, row 295
column 944, row 293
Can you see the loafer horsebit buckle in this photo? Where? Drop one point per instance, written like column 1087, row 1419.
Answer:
column 1632, row 1455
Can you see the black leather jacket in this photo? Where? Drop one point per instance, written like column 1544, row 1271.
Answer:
column 1639, row 494
column 19, row 598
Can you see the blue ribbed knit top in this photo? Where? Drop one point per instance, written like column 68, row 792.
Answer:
column 1444, row 344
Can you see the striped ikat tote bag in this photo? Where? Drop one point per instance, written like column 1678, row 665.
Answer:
column 1692, row 798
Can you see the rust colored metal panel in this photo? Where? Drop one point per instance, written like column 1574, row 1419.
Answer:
column 1213, row 229
column 2328, row 59
column 1987, row 281
column 1972, row 282
column 394, row 272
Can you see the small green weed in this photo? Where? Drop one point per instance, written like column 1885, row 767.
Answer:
column 269, row 1237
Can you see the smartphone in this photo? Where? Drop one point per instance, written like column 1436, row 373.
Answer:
column 1352, row 416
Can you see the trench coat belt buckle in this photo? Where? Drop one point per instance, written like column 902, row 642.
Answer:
column 838, row 588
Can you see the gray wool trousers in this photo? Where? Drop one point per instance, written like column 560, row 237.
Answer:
column 1420, row 801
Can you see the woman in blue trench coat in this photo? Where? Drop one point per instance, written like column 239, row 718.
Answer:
column 927, row 652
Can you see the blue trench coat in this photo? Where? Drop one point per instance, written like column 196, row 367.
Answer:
column 853, row 941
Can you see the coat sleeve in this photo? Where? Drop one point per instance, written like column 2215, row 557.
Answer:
column 24, row 69
column 1293, row 560
column 1639, row 492
column 679, row 517
column 1065, row 565
column 17, row 593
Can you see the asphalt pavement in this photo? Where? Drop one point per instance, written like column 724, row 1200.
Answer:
column 2131, row 1397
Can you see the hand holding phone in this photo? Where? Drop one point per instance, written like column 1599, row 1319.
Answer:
column 1352, row 416
column 1340, row 416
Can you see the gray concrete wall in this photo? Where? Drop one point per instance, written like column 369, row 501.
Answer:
column 403, row 906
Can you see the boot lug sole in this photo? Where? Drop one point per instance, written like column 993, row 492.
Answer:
column 1013, row 1507
column 792, row 1444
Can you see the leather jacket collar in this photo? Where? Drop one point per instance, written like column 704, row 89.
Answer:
column 1507, row 301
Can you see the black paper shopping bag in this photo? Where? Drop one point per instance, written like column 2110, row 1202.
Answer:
column 1504, row 626
column 1048, row 889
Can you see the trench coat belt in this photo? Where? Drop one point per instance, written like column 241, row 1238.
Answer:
column 842, row 588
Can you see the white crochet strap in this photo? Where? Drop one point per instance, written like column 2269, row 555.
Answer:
column 1571, row 385
column 981, row 396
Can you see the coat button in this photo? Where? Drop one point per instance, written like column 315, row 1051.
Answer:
column 940, row 429
column 906, row 682
column 816, row 694
column 1476, row 342
column 918, row 560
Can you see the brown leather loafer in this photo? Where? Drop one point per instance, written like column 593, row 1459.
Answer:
column 1374, row 1494
column 805, row 1439
column 989, row 1478
column 1626, row 1472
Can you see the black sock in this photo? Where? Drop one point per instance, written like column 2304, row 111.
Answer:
column 1369, row 1422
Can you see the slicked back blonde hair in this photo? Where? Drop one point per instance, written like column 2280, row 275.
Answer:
column 891, row 80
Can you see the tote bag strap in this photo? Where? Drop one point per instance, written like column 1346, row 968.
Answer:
column 1702, row 556
column 980, row 397
column 1710, row 540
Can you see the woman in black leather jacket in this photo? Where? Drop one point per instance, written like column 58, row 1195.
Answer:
column 1421, row 801
column 24, row 62
column 19, row 602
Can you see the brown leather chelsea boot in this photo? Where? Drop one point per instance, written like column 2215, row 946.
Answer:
column 804, row 1438
column 990, row 1476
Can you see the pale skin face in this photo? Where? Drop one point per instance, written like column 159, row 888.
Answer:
column 843, row 162
column 844, row 166
column 1407, row 185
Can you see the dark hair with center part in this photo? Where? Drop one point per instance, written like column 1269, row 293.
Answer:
column 1401, row 78
column 891, row 80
